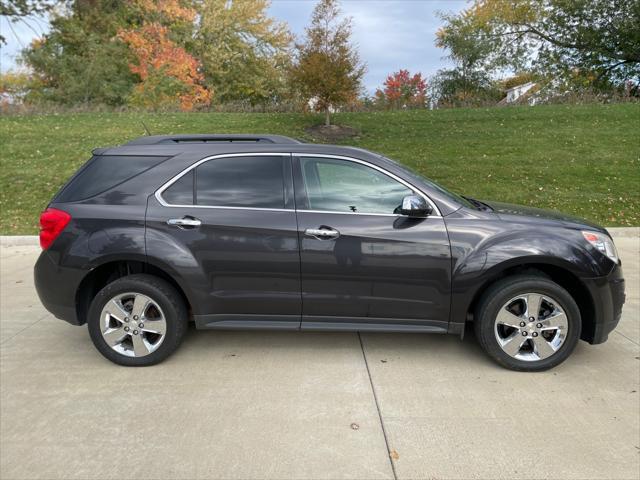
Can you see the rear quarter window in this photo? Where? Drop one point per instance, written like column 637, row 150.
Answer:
column 102, row 173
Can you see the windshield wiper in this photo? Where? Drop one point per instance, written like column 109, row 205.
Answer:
column 478, row 204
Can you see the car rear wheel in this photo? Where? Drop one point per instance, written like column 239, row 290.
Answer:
column 528, row 323
column 137, row 320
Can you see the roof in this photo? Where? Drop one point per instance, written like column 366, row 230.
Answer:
column 201, row 149
column 211, row 138
column 216, row 144
column 522, row 85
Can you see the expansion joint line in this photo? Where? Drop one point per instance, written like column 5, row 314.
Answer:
column 375, row 398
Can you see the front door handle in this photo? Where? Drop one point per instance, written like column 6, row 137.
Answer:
column 322, row 233
column 185, row 222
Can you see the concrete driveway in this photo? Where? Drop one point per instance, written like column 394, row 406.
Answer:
column 309, row 405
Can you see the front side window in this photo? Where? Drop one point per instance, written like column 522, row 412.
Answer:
column 343, row 186
column 252, row 182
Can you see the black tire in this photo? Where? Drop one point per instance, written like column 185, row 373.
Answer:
column 504, row 290
column 161, row 292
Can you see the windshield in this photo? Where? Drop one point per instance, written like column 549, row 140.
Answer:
column 448, row 193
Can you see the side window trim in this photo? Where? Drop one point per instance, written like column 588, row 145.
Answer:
column 303, row 195
column 289, row 207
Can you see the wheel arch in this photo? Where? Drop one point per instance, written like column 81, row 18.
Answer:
column 553, row 271
column 110, row 271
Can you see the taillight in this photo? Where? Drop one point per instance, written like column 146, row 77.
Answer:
column 52, row 222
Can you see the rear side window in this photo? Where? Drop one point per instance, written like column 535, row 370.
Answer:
column 252, row 182
column 181, row 192
column 102, row 173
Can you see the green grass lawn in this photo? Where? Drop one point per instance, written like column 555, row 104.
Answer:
column 584, row 160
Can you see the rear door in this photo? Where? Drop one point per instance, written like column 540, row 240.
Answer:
column 228, row 227
column 362, row 265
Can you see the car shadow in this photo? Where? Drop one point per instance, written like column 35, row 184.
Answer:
column 376, row 344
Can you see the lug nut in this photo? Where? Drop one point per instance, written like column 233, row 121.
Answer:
column 531, row 319
column 135, row 317
column 135, row 332
column 535, row 334
column 126, row 329
column 126, row 319
column 524, row 334
column 539, row 325
column 141, row 325
column 522, row 324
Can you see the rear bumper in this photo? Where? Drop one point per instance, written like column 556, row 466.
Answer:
column 608, row 297
column 57, row 287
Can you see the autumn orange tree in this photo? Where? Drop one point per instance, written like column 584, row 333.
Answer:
column 169, row 75
column 401, row 89
column 327, row 66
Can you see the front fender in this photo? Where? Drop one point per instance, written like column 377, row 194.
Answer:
column 480, row 256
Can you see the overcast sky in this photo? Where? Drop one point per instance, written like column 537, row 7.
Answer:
column 390, row 34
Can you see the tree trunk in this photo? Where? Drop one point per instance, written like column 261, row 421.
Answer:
column 327, row 117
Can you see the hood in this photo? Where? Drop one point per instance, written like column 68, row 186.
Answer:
column 510, row 212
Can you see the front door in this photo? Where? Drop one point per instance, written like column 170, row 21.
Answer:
column 229, row 229
column 362, row 265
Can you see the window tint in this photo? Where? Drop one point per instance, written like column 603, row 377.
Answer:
column 103, row 172
column 241, row 182
column 181, row 192
column 343, row 186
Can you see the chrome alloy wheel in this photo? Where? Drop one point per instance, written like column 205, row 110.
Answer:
column 133, row 324
column 531, row 327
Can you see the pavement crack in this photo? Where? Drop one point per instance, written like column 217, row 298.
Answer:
column 25, row 328
column 630, row 339
column 375, row 398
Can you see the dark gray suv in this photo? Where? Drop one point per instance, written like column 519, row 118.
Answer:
column 263, row 231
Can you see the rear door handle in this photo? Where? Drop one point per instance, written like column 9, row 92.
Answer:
column 322, row 233
column 186, row 222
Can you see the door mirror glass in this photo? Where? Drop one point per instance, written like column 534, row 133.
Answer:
column 415, row 206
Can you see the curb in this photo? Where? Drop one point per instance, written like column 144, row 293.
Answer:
column 34, row 241
column 624, row 232
column 19, row 241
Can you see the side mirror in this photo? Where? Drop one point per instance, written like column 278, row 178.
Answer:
column 415, row 206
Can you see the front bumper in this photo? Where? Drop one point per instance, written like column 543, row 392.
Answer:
column 608, row 297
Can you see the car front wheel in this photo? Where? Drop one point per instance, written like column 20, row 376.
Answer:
column 528, row 323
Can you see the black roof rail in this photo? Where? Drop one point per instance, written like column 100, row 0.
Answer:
column 211, row 138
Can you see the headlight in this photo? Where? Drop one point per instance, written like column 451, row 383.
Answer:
column 603, row 243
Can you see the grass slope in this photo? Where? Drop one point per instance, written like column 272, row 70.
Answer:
column 584, row 160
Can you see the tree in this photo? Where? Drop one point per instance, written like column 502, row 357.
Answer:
column 244, row 53
column 469, row 83
column 169, row 75
column 80, row 60
column 458, row 88
column 15, row 87
column 401, row 89
column 114, row 51
column 327, row 67
column 591, row 43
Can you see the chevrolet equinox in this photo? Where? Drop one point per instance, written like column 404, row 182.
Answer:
column 266, row 232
